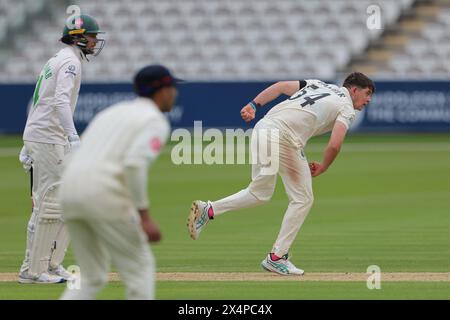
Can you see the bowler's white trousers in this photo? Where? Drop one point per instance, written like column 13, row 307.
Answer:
column 294, row 170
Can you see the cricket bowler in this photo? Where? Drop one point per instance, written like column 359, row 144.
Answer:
column 49, row 136
column 104, row 189
column 313, row 108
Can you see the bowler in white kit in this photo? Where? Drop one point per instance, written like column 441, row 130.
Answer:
column 49, row 136
column 104, row 189
column 314, row 108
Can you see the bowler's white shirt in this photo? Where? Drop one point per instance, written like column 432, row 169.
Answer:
column 312, row 111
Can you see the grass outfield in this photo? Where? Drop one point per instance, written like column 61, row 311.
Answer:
column 383, row 202
column 312, row 290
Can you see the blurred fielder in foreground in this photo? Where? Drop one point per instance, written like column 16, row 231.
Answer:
column 314, row 108
column 104, row 189
column 49, row 136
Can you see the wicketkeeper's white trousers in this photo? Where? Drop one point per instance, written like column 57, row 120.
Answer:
column 98, row 242
column 295, row 173
column 48, row 165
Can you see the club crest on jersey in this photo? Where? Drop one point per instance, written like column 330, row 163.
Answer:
column 155, row 144
column 352, row 119
column 71, row 69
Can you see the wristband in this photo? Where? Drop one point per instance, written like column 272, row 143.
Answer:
column 254, row 105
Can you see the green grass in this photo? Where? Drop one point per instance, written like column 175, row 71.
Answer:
column 388, row 208
column 308, row 290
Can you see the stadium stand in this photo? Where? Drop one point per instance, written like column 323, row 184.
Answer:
column 416, row 47
column 217, row 40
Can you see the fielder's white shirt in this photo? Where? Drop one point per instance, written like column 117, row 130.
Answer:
column 128, row 134
column 50, row 119
column 312, row 111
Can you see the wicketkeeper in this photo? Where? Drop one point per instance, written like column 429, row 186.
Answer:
column 49, row 136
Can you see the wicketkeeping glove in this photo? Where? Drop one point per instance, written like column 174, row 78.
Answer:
column 74, row 141
column 25, row 159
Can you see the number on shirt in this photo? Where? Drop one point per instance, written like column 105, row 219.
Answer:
column 300, row 94
column 312, row 98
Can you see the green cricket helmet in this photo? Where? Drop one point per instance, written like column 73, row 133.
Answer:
column 76, row 29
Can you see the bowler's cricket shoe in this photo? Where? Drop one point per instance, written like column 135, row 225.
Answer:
column 61, row 272
column 281, row 266
column 201, row 213
column 43, row 278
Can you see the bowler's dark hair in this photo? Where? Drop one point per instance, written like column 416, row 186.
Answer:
column 359, row 80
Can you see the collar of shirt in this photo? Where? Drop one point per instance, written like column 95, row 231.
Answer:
column 347, row 95
column 78, row 53
column 147, row 101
